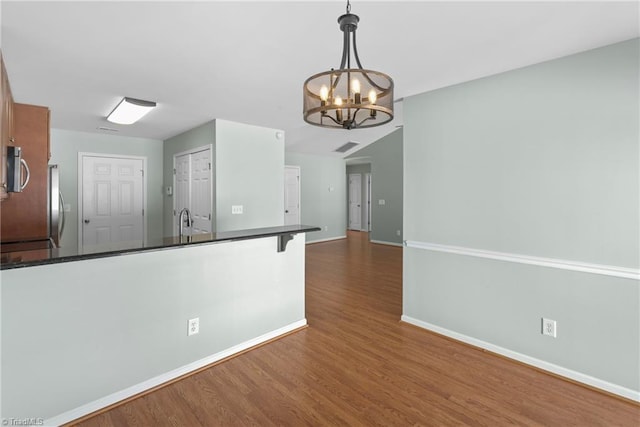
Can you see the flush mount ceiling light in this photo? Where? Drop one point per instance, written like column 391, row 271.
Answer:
column 130, row 110
column 348, row 98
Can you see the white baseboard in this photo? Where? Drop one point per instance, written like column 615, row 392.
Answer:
column 541, row 364
column 382, row 242
column 328, row 239
column 116, row 397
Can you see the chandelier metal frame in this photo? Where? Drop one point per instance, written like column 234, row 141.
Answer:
column 336, row 98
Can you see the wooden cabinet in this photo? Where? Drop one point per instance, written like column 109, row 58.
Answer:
column 25, row 215
column 6, row 125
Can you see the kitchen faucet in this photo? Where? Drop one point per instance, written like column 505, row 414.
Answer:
column 184, row 219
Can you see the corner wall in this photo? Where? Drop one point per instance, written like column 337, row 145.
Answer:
column 249, row 172
column 193, row 138
column 540, row 162
column 387, row 166
column 323, row 194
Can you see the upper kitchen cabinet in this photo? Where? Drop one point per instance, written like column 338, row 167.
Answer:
column 24, row 214
column 6, row 122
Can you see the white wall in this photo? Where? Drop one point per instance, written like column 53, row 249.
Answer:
column 542, row 161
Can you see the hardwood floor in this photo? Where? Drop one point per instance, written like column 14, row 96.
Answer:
column 356, row 364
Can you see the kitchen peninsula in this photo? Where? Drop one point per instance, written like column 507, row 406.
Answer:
column 84, row 329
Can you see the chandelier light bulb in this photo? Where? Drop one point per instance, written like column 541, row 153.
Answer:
column 324, row 93
column 372, row 96
column 338, row 101
column 355, row 86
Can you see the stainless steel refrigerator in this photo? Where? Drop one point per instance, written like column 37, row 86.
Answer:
column 56, row 206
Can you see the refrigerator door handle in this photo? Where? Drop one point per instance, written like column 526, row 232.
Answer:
column 26, row 180
column 63, row 217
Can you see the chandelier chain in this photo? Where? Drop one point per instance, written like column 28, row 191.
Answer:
column 348, row 6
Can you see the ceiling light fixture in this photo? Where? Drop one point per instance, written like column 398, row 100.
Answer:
column 130, row 110
column 348, row 98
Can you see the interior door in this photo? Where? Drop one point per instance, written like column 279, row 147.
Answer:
column 112, row 200
column 193, row 189
column 291, row 195
column 182, row 190
column 355, row 201
column 201, row 191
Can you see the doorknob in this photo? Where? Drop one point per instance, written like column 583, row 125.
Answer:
column 86, row 221
column 286, row 211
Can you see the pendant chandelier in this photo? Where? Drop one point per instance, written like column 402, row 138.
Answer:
column 348, row 98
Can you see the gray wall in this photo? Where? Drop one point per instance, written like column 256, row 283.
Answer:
column 386, row 160
column 363, row 170
column 193, row 138
column 541, row 161
column 97, row 327
column 323, row 194
column 65, row 146
column 249, row 172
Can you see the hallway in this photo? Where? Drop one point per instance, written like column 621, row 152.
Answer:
column 356, row 364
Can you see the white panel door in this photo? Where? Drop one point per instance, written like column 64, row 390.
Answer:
column 201, row 191
column 181, row 191
column 112, row 200
column 355, row 203
column 193, row 189
column 291, row 195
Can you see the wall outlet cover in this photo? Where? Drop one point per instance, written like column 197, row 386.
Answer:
column 193, row 326
column 549, row 327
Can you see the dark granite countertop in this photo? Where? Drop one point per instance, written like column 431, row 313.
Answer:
column 40, row 256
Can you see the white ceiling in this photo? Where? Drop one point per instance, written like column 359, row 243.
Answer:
column 247, row 61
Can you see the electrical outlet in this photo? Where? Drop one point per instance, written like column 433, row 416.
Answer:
column 549, row 327
column 381, row 201
column 236, row 210
column 193, row 326
column 398, row 232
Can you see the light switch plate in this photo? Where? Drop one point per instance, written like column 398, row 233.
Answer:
column 236, row 209
column 381, row 202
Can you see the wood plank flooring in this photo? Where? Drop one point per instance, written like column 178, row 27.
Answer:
column 356, row 364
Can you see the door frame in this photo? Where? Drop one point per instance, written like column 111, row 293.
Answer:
column 81, row 156
column 367, row 201
column 299, row 190
column 174, row 224
column 359, row 174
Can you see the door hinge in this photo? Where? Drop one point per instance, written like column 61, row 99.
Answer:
column 209, row 217
column 209, row 165
column 142, row 171
column 142, row 212
column 174, row 171
column 174, row 212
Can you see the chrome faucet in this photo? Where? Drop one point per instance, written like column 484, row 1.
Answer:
column 184, row 219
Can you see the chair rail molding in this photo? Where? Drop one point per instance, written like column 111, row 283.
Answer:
column 606, row 270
